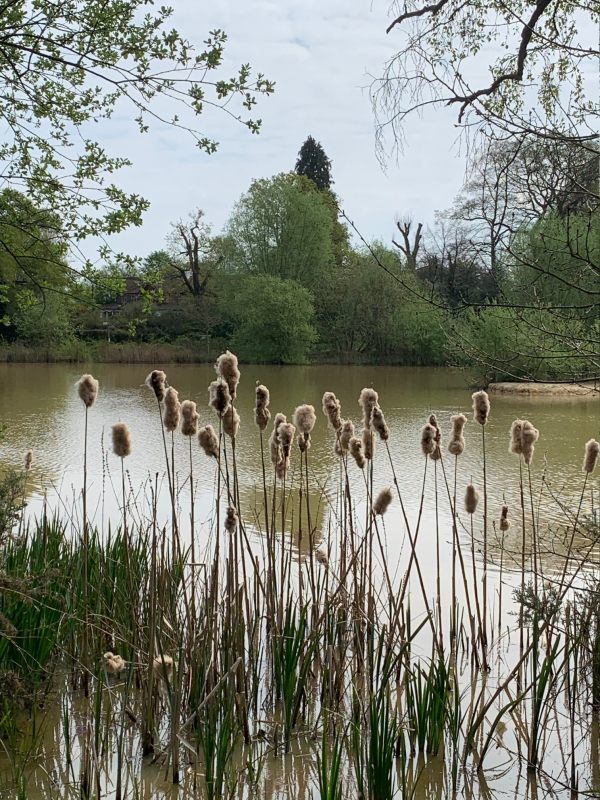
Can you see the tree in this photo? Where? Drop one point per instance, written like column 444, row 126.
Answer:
column 188, row 252
column 64, row 66
column 33, row 275
column 314, row 164
column 282, row 227
column 272, row 319
column 539, row 84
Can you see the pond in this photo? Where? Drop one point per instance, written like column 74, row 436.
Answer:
column 41, row 412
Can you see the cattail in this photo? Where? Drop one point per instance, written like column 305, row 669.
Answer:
column 87, row 388
column 322, row 557
column 516, row 445
column 163, row 666
column 592, row 448
column 157, row 381
column 504, row 521
column 121, row 440
column 428, row 435
column 208, row 441
column 231, row 520
column 471, row 499
column 282, row 467
column 529, row 436
column 189, row 417
column 219, row 396
column 285, row 437
column 304, row 419
column 355, row 446
column 274, row 439
column 114, row 664
column 332, row 408
column 231, row 422
column 28, row 460
column 367, row 401
column 303, row 444
column 437, row 453
column 382, row 501
column 481, row 407
column 172, row 409
column 456, row 445
column 379, row 424
column 227, row 368
column 368, row 441
column 345, row 435
column 262, row 415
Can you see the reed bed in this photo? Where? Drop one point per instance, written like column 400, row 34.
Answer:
column 211, row 653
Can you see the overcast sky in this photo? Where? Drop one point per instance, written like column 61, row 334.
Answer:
column 322, row 56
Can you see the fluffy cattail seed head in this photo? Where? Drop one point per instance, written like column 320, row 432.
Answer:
column 274, row 438
column 356, row 451
column 456, row 445
column 504, row 521
column 368, row 442
column 87, row 389
column 437, row 453
column 231, row 422
column 285, row 437
column 428, row 443
column 481, row 407
column 28, row 460
column 163, row 666
column 304, row 419
column 379, row 424
column 516, row 445
column 157, row 381
column 471, row 499
column 282, row 467
column 219, row 396
column 332, row 408
column 304, row 443
column 346, row 433
column 592, row 448
column 227, row 368
column 367, row 401
column 322, row 557
column 262, row 415
column 172, row 409
column 382, row 501
column 231, row 520
column 529, row 436
column 121, row 440
column 208, row 441
column 114, row 663
column 189, row 417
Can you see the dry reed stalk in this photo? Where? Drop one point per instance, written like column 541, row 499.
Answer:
column 87, row 389
column 481, row 412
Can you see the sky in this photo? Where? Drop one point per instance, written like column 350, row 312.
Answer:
column 323, row 57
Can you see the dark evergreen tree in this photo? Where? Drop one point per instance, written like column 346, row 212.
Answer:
column 314, row 164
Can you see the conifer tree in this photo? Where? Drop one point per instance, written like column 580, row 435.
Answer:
column 314, row 164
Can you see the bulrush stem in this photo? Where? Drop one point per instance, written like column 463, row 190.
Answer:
column 86, row 624
column 476, row 591
column 453, row 619
column 484, row 636
column 413, row 555
column 437, row 555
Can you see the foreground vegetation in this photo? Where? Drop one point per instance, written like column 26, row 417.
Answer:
column 215, row 649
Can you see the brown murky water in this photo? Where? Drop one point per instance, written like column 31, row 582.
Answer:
column 41, row 411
